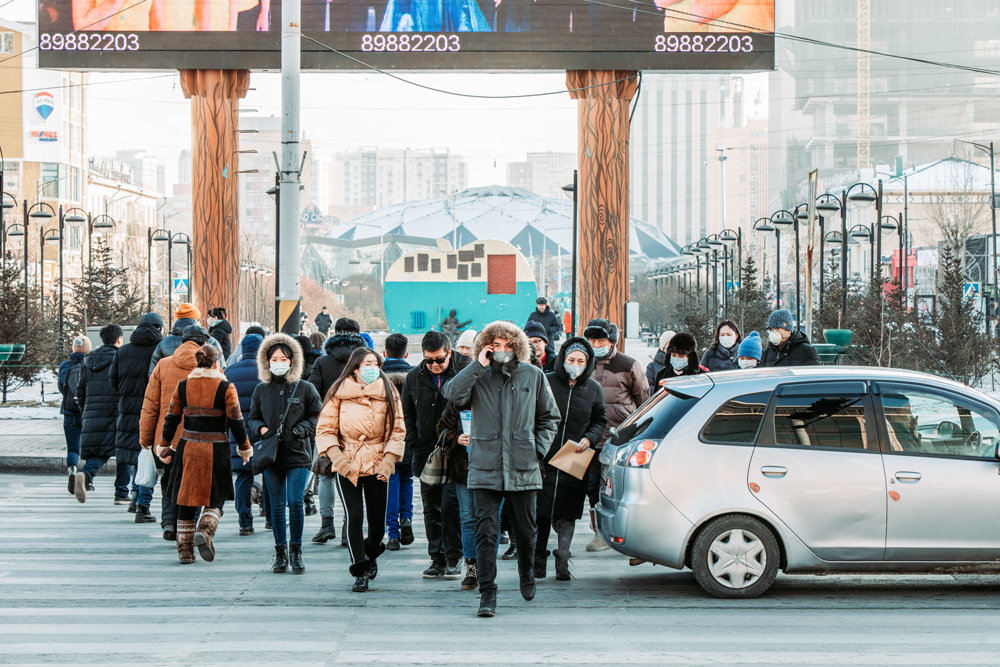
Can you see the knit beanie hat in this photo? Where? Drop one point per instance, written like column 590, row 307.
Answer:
column 195, row 333
column 535, row 330
column 750, row 347
column 780, row 319
column 467, row 339
column 187, row 311
column 578, row 347
column 665, row 338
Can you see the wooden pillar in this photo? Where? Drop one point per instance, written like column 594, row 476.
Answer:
column 603, row 195
column 215, row 96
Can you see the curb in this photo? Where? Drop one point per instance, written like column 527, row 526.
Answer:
column 44, row 465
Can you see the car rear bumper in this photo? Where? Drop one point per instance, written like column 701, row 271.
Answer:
column 643, row 523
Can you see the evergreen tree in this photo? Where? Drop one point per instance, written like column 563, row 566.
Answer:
column 963, row 351
column 697, row 319
column 40, row 337
column 104, row 295
column 749, row 306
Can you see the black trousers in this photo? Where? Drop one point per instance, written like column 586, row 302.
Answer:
column 522, row 518
column 168, row 508
column 442, row 522
column 594, row 481
column 372, row 495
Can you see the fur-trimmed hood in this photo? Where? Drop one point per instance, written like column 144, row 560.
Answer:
column 509, row 332
column 298, row 359
column 207, row 373
column 348, row 341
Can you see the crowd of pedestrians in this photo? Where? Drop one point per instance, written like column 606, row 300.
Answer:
column 478, row 425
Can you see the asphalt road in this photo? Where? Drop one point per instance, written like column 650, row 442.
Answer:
column 82, row 584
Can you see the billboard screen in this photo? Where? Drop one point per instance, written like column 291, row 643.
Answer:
column 410, row 34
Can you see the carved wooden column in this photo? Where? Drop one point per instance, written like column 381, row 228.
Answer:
column 215, row 96
column 603, row 195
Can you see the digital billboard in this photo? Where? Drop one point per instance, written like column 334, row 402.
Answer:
column 410, row 34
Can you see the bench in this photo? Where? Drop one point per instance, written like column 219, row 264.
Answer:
column 11, row 352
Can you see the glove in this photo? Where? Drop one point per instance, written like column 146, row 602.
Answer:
column 339, row 461
column 387, row 467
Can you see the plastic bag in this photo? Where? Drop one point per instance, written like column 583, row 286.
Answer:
column 145, row 473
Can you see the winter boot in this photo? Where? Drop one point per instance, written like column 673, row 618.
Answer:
column 326, row 531
column 280, row 559
column 471, row 575
column 185, row 542
column 360, row 570
column 295, row 558
column 487, row 604
column 541, row 560
column 80, row 486
column 170, row 533
column 527, row 583
column 597, row 544
column 132, row 502
column 142, row 515
column 206, row 531
column 373, row 553
column 564, row 533
column 405, row 532
column 309, row 503
column 72, row 478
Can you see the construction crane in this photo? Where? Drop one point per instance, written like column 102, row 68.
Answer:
column 864, row 84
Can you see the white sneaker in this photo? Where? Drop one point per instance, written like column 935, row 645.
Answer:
column 80, row 491
column 597, row 544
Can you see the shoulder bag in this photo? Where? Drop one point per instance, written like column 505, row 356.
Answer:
column 435, row 472
column 265, row 451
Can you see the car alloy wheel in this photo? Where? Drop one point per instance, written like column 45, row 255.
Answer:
column 737, row 558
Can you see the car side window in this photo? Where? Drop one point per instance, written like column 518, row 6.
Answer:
column 738, row 420
column 926, row 421
column 829, row 415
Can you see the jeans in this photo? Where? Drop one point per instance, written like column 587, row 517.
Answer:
column 72, row 426
column 94, row 465
column 326, row 496
column 521, row 505
column 370, row 494
column 467, row 512
column 400, row 499
column 286, row 487
column 441, row 522
column 143, row 494
column 244, row 506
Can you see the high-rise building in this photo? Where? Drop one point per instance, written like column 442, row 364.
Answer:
column 144, row 167
column 184, row 168
column 543, row 173
column 384, row 177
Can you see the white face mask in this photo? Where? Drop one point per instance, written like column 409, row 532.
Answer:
column 727, row 341
column 679, row 363
column 280, row 368
column 774, row 337
column 747, row 363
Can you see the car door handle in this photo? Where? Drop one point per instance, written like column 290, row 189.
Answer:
column 908, row 477
column 774, row 471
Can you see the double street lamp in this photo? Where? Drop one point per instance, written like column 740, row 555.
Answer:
column 164, row 236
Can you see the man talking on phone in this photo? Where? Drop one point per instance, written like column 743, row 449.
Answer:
column 514, row 420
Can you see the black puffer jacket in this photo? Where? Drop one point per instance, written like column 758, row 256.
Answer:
column 796, row 352
column 654, row 367
column 327, row 369
column 549, row 320
column 129, row 376
column 223, row 332
column 98, row 404
column 719, row 358
column 170, row 344
column 423, row 405
column 69, row 406
column 272, row 397
column 582, row 415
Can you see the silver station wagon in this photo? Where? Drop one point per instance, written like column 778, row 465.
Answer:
column 737, row 475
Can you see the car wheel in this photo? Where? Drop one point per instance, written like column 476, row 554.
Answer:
column 735, row 557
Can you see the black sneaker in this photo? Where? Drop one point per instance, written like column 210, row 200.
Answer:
column 170, row 533
column 142, row 515
column 121, row 500
column 453, row 570
column 504, row 539
column 435, row 571
column 405, row 532
column 510, row 554
column 488, row 604
column 71, row 485
column 392, row 544
column 527, row 585
column 246, row 531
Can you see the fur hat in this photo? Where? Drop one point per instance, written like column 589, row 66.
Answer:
column 510, row 333
column 467, row 339
column 264, row 353
column 682, row 343
column 535, row 330
column 601, row 328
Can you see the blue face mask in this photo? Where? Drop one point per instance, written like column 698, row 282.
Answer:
column 369, row 374
column 679, row 364
column 601, row 352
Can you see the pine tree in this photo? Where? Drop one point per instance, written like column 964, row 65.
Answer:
column 697, row 319
column 104, row 295
column 749, row 306
column 40, row 337
column 963, row 351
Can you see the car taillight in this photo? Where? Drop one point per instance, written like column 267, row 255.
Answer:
column 641, row 454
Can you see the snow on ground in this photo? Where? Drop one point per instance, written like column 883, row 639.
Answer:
column 17, row 412
column 47, row 382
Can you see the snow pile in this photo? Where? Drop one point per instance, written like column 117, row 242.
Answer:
column 17, row 412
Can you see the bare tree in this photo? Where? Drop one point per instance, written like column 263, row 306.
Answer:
column 958, row 211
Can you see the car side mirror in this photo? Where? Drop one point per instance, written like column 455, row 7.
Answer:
column 614, row 431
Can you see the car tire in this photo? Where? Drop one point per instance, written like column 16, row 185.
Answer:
column 753, row 557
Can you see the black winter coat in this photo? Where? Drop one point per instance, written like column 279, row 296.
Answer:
column 69, row 406
column 223, row 332
column 720, row 359
column 323, row 322
column 327, row 369
column 397, row 370
column 129, row 376
column 796, row 352
column 268, row 403
column 423, row 406
column 169, row 345
column 582, row 415
column 98, row 404
column 549, row 320
column 654, row 367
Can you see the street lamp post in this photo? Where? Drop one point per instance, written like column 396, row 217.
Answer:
column 573, row 188
column 764, row 227
column 41, row 215
column 72, row 214
column 54, row 235
column 833, row 238
column 782, row 219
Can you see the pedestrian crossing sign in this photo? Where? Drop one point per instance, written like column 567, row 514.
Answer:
column 972, row 291
column 180, row 286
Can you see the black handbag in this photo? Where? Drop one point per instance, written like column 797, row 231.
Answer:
column 265, row 451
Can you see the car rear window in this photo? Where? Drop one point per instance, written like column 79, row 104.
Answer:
column 654, row 418
column 738, row 420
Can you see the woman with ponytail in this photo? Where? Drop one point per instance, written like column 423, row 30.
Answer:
column 361, row 431
column 209, row 408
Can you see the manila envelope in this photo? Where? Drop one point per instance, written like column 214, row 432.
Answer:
column 567, row 460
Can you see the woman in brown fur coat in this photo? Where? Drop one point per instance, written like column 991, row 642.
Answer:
column 209, row 408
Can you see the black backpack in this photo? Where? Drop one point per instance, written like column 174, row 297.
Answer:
column 73, row 381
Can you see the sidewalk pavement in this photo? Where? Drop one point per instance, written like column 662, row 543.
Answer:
column 35, row 446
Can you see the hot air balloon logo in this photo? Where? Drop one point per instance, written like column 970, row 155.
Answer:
column 45, row 104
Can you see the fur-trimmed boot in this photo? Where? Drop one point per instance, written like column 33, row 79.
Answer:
column 207, row 525
column 564, row 532
column 373, row 553
column 185, row 542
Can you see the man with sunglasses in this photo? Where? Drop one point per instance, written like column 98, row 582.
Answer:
column 423, row 405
